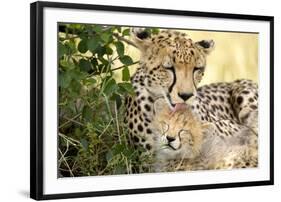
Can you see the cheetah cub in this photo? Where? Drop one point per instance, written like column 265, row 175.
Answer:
column 187, row 143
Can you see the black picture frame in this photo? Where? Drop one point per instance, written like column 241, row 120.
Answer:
column 36, row 99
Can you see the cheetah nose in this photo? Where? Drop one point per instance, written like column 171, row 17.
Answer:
column 185, row 96
column 170, row 139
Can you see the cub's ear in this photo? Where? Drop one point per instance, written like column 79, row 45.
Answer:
column 161, row 109
column 206, row 45
column 141, row 37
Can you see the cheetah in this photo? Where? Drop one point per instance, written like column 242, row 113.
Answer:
column 187, row 143
column 171, row 67
column 228, row 105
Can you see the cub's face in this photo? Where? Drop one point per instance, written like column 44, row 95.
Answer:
column 181, row 133
column 172, row 62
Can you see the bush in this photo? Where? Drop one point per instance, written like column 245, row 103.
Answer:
column 92, row 137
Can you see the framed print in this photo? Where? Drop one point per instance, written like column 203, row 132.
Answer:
column 134, row 100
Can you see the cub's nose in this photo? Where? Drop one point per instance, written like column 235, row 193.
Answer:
column 170, row 139
column 185, row 96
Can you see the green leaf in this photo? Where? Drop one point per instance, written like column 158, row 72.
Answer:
column 85, row 65
column 126, row 87
column 89, row 81
column 108, row 50
column 93, row 43
column 77, row 131
column 118, row 148
column 84, row 143
column 119, row 29
column 64, row 79
column 67, row 64
column 71, row 46
column 90, row 127
column 106, row 37
column 94, row 62
column 126, row 32
column 117, row 99
column 128, row 152
column 75, row 86
column 87, row 113
column 108, row 156
column 100, row 50
column 62, row 49
column 82, row 46
column 125, row 74
column 103, row 61
column 155, row 30
column 126, row 60
column 120, row 48
column 110, row 86
column 97, row 28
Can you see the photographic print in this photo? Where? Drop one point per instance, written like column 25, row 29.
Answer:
column 140, row 100
column 137, row 100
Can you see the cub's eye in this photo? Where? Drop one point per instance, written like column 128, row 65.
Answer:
column 183, row 132
column 165, row 127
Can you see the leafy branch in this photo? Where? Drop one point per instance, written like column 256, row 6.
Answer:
column 93, row 139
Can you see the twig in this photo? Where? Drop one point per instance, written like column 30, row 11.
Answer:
column 66, row 150
column 116, row 35
column 125, row 40
column 124, row 66
column 107, row 104
column 127, row 164
column 74, row 121
column 70, row 171
column 117, row 122
column 75, row 117
column 105, row 128
column 69, row 139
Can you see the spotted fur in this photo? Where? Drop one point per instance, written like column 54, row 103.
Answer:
column 171, row 67
column 187, row 143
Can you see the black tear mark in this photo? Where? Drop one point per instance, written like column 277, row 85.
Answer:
column 174, row 78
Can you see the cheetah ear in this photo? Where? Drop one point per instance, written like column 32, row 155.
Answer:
column 206, row 45
column 161, row 108
column 141, row 37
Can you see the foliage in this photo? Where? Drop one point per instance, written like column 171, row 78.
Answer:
column 92, row 137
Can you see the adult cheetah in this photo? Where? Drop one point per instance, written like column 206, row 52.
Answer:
column 171, row 67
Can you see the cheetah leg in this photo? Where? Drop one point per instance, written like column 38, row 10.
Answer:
column 245, row 103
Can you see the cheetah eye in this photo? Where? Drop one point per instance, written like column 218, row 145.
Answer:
column 167, row 63
column 168, row 66
column 198, row 69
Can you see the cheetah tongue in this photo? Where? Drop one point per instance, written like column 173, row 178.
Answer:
column 179, row 106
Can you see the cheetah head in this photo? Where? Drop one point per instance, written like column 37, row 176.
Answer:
column 173, row 63
column 181, row 132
